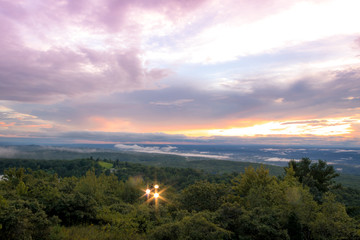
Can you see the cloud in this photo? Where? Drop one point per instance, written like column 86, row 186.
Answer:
column 326, row 128
column 187, row 108
column 138, row 148
column 69, row 149
column 47, row 56
column 13, row 121
column 178, row 102
column 166, row 150
column 57, row 137
column 276, row 159
column 305, row 97
column 56, row 51
column 125, row 137
column 58, row 74
column 242, row 29
column 357, row 43
column 172, row 65
column 196, row 108
column 311, row 122
column 346, row 151
column 7, row 152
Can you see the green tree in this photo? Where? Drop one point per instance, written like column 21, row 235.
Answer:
column 23, row 220
column 267, row 207
column 132, row 190
column 75, row 208
column 259, row 200
column 318, row 176
column 195, row 227
column 248, row 181
column 332, row 221
column 13, row 176
column 203, row 196
column 228, row 217
column 3, row 206
column 21, row 188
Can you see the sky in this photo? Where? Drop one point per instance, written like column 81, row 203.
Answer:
column 180, row 71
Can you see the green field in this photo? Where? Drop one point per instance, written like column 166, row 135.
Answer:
column 105, row 165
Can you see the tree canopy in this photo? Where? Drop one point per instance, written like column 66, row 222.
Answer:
column 318, row 176
column 35, row 204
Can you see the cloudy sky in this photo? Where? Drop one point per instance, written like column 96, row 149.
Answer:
column 180, row 70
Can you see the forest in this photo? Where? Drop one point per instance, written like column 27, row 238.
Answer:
column 104, row 199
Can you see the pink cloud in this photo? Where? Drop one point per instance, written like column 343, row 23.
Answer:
column 52, row 51
column 85, row 51
column 38, row 126
column 357, row 42
column 36, row 66
column 5, row 125
column 13, row 10
column 114, row 14
column 33, row 75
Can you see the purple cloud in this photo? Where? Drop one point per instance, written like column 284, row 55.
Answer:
column 28, row 75
column 182, row 106
column 33, row 68
column 176, row 62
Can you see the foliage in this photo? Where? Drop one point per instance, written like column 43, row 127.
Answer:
column 22, row 219
column 64, row 168
column 318, row 176
column 202, row 196
column 90, row 232
column 332, row 221
column 195, row 227
column 97, row 204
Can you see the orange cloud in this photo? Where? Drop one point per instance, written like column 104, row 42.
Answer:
column 3, row 124
column 38, row 126
column 97, row 123
column 345, row 127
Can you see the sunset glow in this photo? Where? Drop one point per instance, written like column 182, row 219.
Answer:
column 180, row 71
column 323, row 128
